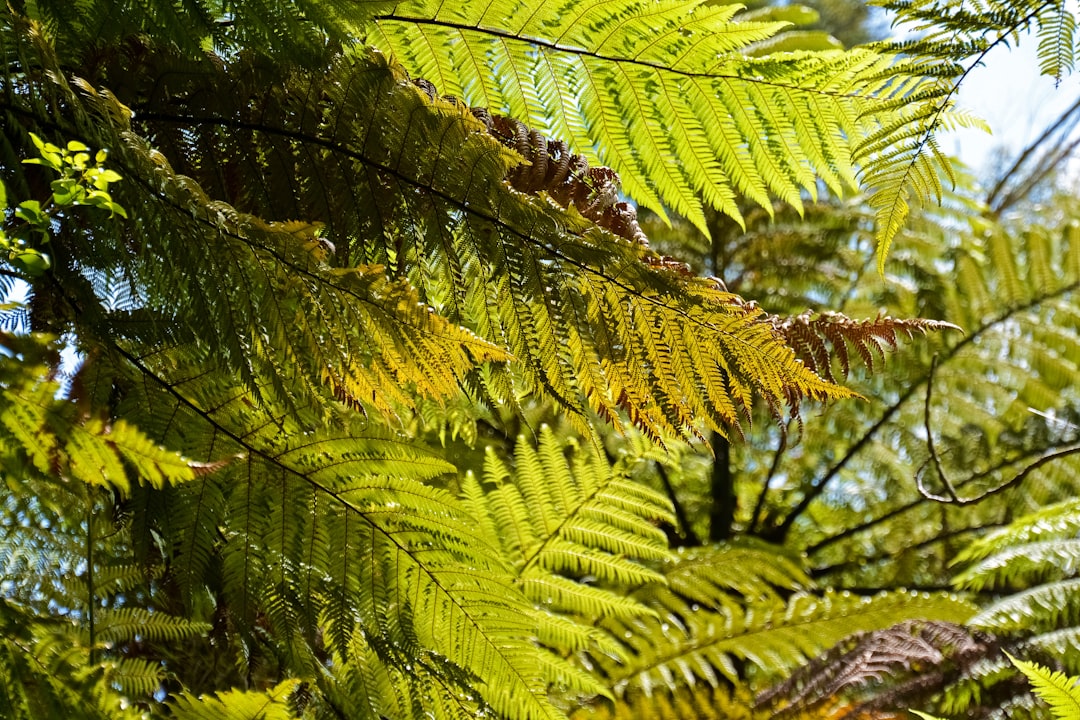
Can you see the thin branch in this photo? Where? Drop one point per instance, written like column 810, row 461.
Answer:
column 1016, row 480
column 1047, row 165
column 759, row 506
column 930, row 444
column 823, row 570
column 690, row 537
column 781, row 531
column 1013, row 196
column 920, row 500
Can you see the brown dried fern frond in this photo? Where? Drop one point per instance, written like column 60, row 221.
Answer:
column 551, row 167
column 904, row 663
column 817, row 337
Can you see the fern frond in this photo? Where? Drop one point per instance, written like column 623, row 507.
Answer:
column 665, row 94
column 50, row 431
column 818, row 338
column 47, row 673
column 703, row 637
column 1056, row 689
column 1057, row 521
column 911, row 656
column 127, row 623
column 271, row 704
column 954, row 37
column 1041, row 608
column 576, row 532
column 346, row 531
column 294, row 29
column 1024, row 565
column 591, row 321
column 753, row 572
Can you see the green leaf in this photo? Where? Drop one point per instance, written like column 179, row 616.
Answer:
column 31, row 212
column 272, row 704
column 66, row 191
column 33, row 262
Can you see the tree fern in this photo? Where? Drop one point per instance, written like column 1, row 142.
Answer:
column 319, row 247
column 708, row 625
column 663, row 93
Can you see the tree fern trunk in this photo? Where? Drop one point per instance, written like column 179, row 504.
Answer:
column 722, row 512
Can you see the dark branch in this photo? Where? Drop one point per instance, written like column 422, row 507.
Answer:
column 688, row 537
column 759, row 506
column 819, row 572
column 885, row 517
column 998, row 204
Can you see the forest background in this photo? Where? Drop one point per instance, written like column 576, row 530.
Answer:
column 339, row 379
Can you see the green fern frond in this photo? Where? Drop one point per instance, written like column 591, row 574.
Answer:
column 1038, row 552
column 954, row 37
column 1024, row 565
column 665, row 94
column 1058, row 690
column 590, row 321
column 1039, row 609
column 752, row 572
column 127, row 623
column 46, row 672
column 703, row 637
column 576, row 532
column 272, row 704
column 1057, row 521
column 52, row 432
column 1061, row 644
column 554, row 507
column 336, row 526
column 295, row 29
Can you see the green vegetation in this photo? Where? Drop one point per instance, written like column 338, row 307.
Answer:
column 339, row 379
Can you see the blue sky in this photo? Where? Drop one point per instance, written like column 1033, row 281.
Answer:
column 1009, row 93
